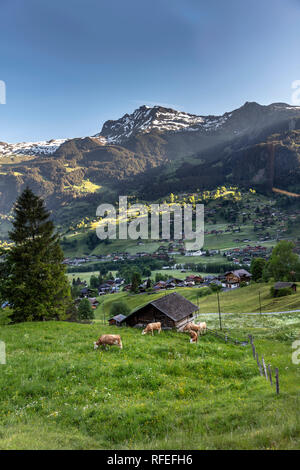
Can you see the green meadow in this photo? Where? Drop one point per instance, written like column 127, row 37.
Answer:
column 158, row 392
column 238, row 301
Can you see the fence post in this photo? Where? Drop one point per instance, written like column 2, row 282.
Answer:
column 259, row 364
column 264, row 366
column 253, row 350
column 277, row 380
column 270, row 374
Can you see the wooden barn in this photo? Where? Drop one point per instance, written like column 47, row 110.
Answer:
column 284, row 285
column 117, row 320
column 172, row 310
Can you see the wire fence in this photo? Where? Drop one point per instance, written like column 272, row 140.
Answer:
column 227, row 338
column 265, row 369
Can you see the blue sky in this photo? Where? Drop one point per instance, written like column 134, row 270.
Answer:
column 69, row 65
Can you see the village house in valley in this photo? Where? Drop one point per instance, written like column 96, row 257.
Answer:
column 172, row 310
column 234, row 279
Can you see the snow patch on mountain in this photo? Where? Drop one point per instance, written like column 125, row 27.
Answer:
column 145, row 120
column 165, row 120
column 46, row 147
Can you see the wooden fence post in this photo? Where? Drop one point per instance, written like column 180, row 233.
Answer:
column 264, row 366
column 270, row 374
column 259, row 364
column 253, row 350
column 277, row 380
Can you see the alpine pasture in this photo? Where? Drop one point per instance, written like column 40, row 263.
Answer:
column 159, row 392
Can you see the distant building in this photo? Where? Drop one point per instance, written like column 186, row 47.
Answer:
column 117, row 320
column 235, row 278
column 94, row 302
column 284, row 285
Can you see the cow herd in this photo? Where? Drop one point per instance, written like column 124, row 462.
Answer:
column 115, row 340
column 195, row 330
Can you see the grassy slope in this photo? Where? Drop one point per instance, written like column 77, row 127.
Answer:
column 247, row 300
column 237, row 301
column 158, row 393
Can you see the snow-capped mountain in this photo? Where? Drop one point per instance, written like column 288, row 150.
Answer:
column 254, row 145
column 250, row 119
column 31, row 148
column 145, row 119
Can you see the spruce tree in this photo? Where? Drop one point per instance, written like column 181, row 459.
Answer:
column 85, row 311
column 36, row 285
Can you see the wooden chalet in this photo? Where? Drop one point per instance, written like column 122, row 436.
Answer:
column 235, row 278
column 94, row 302
column 172, row 310
column 86, row 292
column 195, row 279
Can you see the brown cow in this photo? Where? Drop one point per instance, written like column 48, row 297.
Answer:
column 151, row 327
column 187, row 327
column 201, row 328
column 191, row 326
column 109, row 340
column 194, row 337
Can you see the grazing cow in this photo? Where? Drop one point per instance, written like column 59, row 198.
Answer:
column 194, row 337
column 151, row 327
column 109, row 340
column 201, row 328
column 191, row 326
column 187, row 327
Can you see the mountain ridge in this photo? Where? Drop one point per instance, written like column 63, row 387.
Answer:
column 145, row 119
column 153, row 151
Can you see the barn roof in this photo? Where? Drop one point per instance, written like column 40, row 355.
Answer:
column 239, row 273
column 118, row 318
column 283, row 285
column 174, row 306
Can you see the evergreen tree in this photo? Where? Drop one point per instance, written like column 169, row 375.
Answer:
column 135, row 282
column 119, row 308
column 94, row 282
column 257, row 268
column 85, row 311
column 284, row 264
column 36, row 285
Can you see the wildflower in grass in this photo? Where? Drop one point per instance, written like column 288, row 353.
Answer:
column 54, row 414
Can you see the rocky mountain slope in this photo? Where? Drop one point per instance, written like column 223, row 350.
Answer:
column 251, row 118
column 156, row 150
